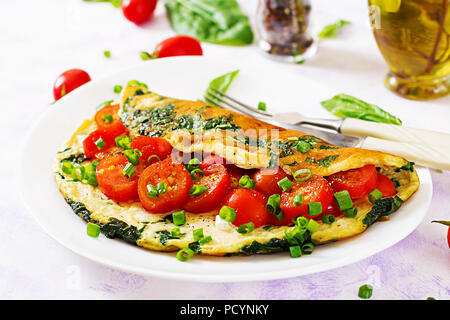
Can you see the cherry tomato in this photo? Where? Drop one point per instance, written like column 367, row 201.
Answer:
column 178, row 183
column 333, row 209
column 445, row 223
column 267, row 180
column 69, row 81
column 358, row 182
column 107, row 134
column 178, row 46
column 235, row 175
column 386, row 186
column 113, row 182
column 149, row 146
column 315, row 189
column 250, row 206
column 103, row 154
column 217, row 180
column 138, row 11
column 107, row 116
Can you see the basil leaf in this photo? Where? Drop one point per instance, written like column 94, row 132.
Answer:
column 331, row 30
column 345, row 106
column 115, row 3
column 221, row 83
column 216, row 21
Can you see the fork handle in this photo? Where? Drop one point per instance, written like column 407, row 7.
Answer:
column 361, row 128
column 431, row 156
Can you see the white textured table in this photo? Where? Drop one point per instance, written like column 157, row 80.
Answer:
column 40, row 39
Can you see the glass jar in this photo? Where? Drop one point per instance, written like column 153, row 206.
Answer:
column 283, row 29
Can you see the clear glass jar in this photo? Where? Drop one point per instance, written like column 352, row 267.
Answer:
column 283, row 29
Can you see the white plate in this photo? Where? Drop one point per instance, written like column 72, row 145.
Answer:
column 187, row 78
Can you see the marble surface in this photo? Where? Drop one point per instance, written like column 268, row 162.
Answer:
column 40, row 39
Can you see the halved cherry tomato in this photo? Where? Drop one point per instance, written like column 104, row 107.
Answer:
column 138, row 11
column 235, row 175
column 266, row 180
column 113, row 182
column 178, row 183
column 107, row 153
column 315, row 189
column 333, row 209
column 68, row 81
column 107, row 116
column 386, row 186
column 107, row 134
column 178, row 46
column 250, row 206
column 358, row 182
column 217, row 180
column 149, row 146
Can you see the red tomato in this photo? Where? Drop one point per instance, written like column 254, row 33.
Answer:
column 103, row 154
column 149, row 146
column 315, row 189
column 178, row 181
column 386, row 186
column 333, row 209
column 68, row 81
column 107, row 134
column 138, row 11
column 250, row 206
column 178, row 46
column 102, row 116
column 235, row 174
column 217, row 180
column 266, row 180
column 113, row 183
column 358, row 182
column 445, row 223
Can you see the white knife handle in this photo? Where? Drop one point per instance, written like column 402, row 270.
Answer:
column 361, row 128
column 423, row 154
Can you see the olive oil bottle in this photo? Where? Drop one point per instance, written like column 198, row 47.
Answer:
column 414, row 39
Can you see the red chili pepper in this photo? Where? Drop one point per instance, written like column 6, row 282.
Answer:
column 447, row 223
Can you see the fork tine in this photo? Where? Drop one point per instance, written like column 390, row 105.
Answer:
column 253, row 109
column 226, row 105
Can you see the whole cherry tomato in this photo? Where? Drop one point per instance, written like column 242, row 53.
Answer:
column 445, row 223
column 178, row 46
column 138, row 11
column 69, row 80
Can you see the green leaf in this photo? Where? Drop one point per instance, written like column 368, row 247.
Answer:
column 221, row 83
column 215, row 21
column 331, row 30
column 345, row 106
column 115, row 3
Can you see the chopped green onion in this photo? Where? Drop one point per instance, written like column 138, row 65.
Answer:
column 107, row 118
column 204, row 240
column 273, row 204
column 104, row 104
column 137, row 83
column 343, row 200
column 328, row 218
column 107, row 53
column 67, row 167
column 298, row 200
column 129, row 170
column 175, row 233
column 78, row 173
column 194, row 163
column 93, row 229
column 197, row 190
column 100, row 143
column 262, row 106
column 91, row 175
column 133, row 156
column 303, row 146
column 285, row 184
column 151, row 157
column 312, row 225
column 375, row 195
column 246, row 228
column 198, row 234
column 145, row 55
column 123, row 142
column 179, row 218
column 292, row 139
column 118, row 88
column 246, row 182
column 308, row 248
column 301, row 222
column 314, row 208
column 185, row 254
column 161, row 188
column 350, row 213
column 365, row 291
column 302, row 175
column 197, row 174
column 152, row 191
column 295, row 251
column 227, row 213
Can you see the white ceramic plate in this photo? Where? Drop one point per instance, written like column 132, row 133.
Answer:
column 187, row 78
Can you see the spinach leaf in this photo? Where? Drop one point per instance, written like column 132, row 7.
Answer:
column 331, row 30
column 216, row 21
column 221, row 83
column 345, row 106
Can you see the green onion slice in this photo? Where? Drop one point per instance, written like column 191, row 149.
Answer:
column 197, row 190
column 227, row 213
column 179, row 218
column 285, row 184
column 303, row 175
column 133, row 156
column 198, row 234
column 308, row 248
column 175, row 233
column 246, row 182
column 246, row 228
column 328, row 218
column 298, row 200
column 350, row 213
column 375, row 195
column 194, row 163
column 303, row 146
column 312, row 225
column 93, row 229
column 295, row 251
column 100, row 143
column 273, row 204
column 152, row 191
column 314, row 208
column 204, row 240
column 185, row 254
column 151, row 157
column 343, row 200
column 301, row 222
column 262, row 106
column 161, row 188
column 197, row 174
column 123, row 142
column 107, row 118
column 365, row 291
column 118, row 88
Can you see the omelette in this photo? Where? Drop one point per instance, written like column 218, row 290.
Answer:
column 195, row 129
